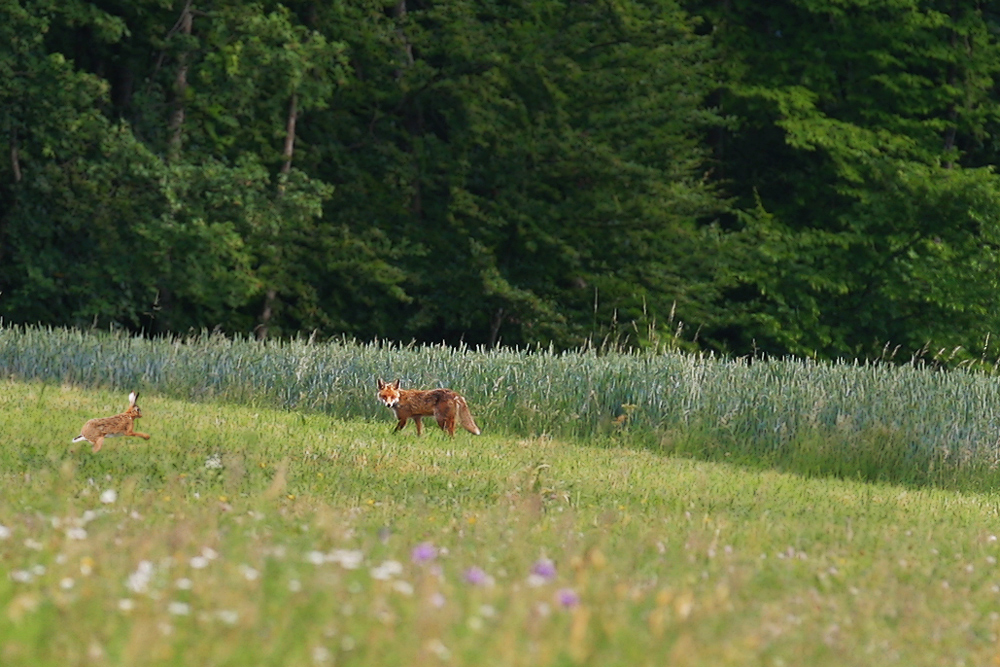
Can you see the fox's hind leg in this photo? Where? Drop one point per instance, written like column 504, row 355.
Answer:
column 445, row 415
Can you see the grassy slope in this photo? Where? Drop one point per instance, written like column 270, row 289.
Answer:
column 252, row 563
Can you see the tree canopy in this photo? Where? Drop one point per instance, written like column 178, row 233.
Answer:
column 803, row 176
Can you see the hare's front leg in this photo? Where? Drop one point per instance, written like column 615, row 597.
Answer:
column 131, row 431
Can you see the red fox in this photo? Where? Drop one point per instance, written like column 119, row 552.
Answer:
column 413, row 404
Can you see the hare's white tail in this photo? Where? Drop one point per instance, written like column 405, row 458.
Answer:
column 78, row 438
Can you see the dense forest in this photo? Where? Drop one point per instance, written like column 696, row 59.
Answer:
column 808, row 177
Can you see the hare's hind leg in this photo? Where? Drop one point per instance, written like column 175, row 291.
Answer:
column 98, row 443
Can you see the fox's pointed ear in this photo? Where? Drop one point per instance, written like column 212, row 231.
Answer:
column 381, row 383
column 395, row 385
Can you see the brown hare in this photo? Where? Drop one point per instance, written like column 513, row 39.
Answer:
column 96, row 430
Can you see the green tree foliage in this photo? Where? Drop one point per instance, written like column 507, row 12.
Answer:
column 98, row 229
column 535, row 158
column 101, row 229
column 868, row 219
column 804, row 176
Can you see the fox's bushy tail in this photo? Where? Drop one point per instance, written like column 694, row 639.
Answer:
column 465, row 417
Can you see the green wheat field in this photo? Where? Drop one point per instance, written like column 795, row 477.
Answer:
column 619, row 509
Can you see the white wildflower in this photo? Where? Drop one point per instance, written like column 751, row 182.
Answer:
column 536, row 580
column 349, row 559
column 437, row 647
column 404, row 587
column 227, row 616
column 387, row 570
column 138, row 581
column 179, row 608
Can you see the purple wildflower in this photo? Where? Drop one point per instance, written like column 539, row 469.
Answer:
column 567, row 597
column 544, row 568
column 476, row 576
column 423, row 553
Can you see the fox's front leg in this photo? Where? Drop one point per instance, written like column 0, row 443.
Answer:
column 420, row 428
column 400, row 424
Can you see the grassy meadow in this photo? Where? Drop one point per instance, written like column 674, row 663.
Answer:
column 906, row 424
column 282, row 526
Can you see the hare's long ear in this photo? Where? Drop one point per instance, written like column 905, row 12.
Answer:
column 132, row 398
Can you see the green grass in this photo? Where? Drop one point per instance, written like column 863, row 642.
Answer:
column 278, row 557
column 903, row 424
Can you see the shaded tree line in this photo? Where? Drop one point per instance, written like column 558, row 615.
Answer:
column 802, row 176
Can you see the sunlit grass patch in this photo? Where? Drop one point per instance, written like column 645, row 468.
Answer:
column 873, row 421
column 245, row 535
